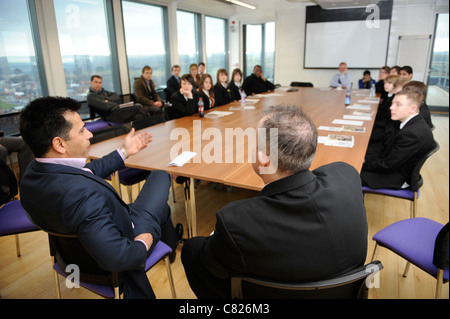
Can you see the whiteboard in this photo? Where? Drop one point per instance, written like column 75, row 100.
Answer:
column 329, row 43
column 414, row 51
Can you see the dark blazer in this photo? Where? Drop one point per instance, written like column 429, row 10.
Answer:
column 394, row 164
column 253, row 84
column 222, row 95
column 305, row 227
column 172, row 86
column 182, row 107
column 64, row 199
column 209, row 102
column 235, row 91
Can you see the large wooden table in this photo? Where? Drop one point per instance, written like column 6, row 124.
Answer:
column 323, row 106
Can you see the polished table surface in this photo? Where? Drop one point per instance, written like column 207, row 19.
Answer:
column 209, row 136
column 323, row 106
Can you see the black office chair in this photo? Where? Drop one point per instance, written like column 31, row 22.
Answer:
column 302, row 84
column 411, row 193
column 97, row 280
column 352, row 285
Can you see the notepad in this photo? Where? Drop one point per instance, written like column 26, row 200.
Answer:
column 214, row 114
column 357, row 117
column 182, row 159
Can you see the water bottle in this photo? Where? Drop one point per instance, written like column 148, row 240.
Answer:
column 243, row 98
column 347, row 98
column 372, row 90
column 201, row 108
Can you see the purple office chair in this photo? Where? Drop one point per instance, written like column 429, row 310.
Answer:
column 96, row 125
column 13, row 219
column 103, row 283
column 411, row 193
column 422, row 242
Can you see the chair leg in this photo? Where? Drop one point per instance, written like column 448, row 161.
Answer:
column 17, row 245
column 169, row 274
column 116, row 293
column 172, row 186
column 414, row 206
column 440, row 280
column 130, row 194
column 405, row 273
column 375, row 252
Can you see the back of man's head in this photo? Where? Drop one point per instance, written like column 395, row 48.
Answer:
column 297, row 137
column 43, row 119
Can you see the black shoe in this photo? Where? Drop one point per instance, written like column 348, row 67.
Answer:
column 181, row 179
column 179, row 233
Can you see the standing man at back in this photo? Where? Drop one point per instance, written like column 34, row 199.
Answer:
column 109, row 105
column 144, row 90
column 303, row 226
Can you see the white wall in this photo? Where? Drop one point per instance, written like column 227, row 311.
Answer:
column 409, row 17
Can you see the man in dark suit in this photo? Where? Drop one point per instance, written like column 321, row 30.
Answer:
column 257, row 83
column 304, row 225
column 392, row 166
column 63, row 195
column 145, row 92
column 174, row 82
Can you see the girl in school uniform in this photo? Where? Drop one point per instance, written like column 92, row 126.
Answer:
column 206, row 91
column 222, row 92
column 236, row 84
column 184, row 101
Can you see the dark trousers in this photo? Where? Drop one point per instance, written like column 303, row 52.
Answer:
column 9, row 144
column 204, row 284
column 127, row 114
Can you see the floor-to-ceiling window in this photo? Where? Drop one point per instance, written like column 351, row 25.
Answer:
column 216, row 45
column 84, row 40
column 189, row 39
column 259, row 41
column 146, row 40
column 20, row 80
column 438, row 80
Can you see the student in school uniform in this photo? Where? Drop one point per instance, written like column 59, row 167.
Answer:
column 206, row 91
column 406, row 72
column 236, row 84
column 422, row 88
column 379, row 86
column 222, row 91
column 193, row 71
column 395, row 70
column 185, row 101
column 393, row 166
column 256, row 83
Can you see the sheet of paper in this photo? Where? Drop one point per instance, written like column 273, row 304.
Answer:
column 215, row 114
column 182, row 159
column 358, row 107
column 348, row 122
column 330, row 128
column 369, row 101
column 357, row 117
column 241, row 108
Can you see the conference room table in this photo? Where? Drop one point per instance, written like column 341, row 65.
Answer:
column 224, row 144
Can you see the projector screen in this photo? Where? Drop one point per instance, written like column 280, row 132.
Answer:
column 357, row 36
column 328, row 44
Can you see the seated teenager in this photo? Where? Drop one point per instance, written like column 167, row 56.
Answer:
column 222, row 91
column 303, row 226
column 406, row 72
column 393, row 165
column 395, row 70
column 206, row 91
column 257, row 83
column 236, row 84
column 193, row 71
column 422, row 88
column 185, row 101
column 367, row 81
column 379, row 86
column 108, row 104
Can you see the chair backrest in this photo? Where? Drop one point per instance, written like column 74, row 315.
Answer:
column 440, row 256
column 107, row 133
column 416, row 178
column 147, row 122
column 302, row 84
column 8, row 183
column 351, row 285
column 66, row 249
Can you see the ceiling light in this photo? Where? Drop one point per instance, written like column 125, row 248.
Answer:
column 243, row 4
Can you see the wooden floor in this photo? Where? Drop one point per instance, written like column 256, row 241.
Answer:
column 30, row 276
